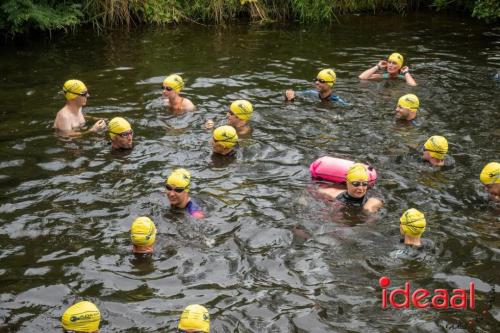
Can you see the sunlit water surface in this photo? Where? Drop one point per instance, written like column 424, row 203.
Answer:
column 66, row 205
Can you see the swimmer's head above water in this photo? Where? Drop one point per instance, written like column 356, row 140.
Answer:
column 83, row 316
column 143, row 235
column 407, row 107
column 120, row 133
column 242, row 109
column 75, row 92
column 435, row 149
column 490, row 177
column 357, row 180
column 394, row 63
column 174, row 83
column 412, row 226
column 224, row 140
column 177, row 187
column 325, row 79
column 194, row 318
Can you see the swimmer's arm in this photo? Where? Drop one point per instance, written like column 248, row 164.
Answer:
column 372, row 205
column 405, row 71
column 371, row 73
column 331, row 192
column 63, row 127
column 188, row 105
column 92, row 118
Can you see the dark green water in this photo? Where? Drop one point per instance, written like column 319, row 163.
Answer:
column 66, row 205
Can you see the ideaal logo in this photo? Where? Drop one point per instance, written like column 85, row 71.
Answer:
column 460, row 298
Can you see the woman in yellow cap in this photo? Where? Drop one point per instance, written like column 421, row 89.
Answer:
column 412, row 226
column 172, row 86
column 490, row 177
column 392, row 69
column 143, row 235
column 435, row 149
column 120, row 133
column 356, row 193
column 224, row 140
column 177, row 191
column 238, row 116
column 323, row 83
column 70, row 119
column 82, row 317
column 407, row 107
column 194, row 319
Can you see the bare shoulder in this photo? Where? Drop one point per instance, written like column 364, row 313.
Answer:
column 63, row 120
column 187, row 105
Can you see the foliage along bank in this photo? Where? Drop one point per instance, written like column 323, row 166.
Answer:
column 24, row 16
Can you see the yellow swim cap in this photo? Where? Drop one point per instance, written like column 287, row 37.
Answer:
column 81, row 317
column 74, row 88
column 437, row 146
column 413, row 222
column 143, row 231
column 328, row 75
column 195, row 317
column 397, row 58
column 175, row 82
column 226, row 136
column 179, row 179
column 118, row 125
column 490, row 173
column 357, row 172
column 409, row 101
column 242, row 109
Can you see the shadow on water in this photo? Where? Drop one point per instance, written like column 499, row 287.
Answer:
column 66, row 205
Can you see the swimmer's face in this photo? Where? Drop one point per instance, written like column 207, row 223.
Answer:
column 232, row 119
column 81, row 100
column 403, row 113
column 142, row 249
column 426, row 156
column 167, row 91
column 175, row 197
column 493, row 190
column 321, row 85
column 357, row 191
column 123, row 140
column 393, row 67
column 218, row 148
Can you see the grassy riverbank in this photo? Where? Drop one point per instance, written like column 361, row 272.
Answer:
column 24, row 16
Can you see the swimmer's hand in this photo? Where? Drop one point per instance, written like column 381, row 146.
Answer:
column 382, row 64
column 98, row 126
column 209, row 124
column 289, row 95
column 404, row 70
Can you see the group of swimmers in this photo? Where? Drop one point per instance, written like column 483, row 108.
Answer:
column 85, row 317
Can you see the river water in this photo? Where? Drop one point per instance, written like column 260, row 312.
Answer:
column 66, row 205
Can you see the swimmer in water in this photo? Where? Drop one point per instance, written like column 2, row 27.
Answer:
column 490, row 177
column 412, row 227
column 82, row 317
column 194, row 319
column 323, row 82
column 407, row 107
column 392, row 69
column 435, row 149
column 238, row 116
column 177, row 189
column 143, row 235
column 172, row 86
column 120, row 133
column 224, row 141
column 70, row 119
column 357, row 190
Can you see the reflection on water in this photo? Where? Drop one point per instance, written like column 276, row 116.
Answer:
column 271, row 256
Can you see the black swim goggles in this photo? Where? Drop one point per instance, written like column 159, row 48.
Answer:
column 83, row 93
column 322, row 81
column 124, row 134
column 167, row 88
column 358, row 184
column 175, row 189
column 183, row 331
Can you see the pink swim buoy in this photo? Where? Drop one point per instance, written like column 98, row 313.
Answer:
column 335, row 170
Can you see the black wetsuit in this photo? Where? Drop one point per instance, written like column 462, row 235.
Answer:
column 346, row 199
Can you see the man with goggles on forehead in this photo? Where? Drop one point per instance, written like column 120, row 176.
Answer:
column 120, row 133
column 357, row 189
column 171, row 87
column 323, row 83
column 70, row 118
column 177, row 189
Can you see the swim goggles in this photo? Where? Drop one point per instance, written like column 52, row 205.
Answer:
column 175, row 189
column 167, row 88
column 124, row 134
column 357, row 184
column 83, row 93
column 183, row 331
column 322, row 81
